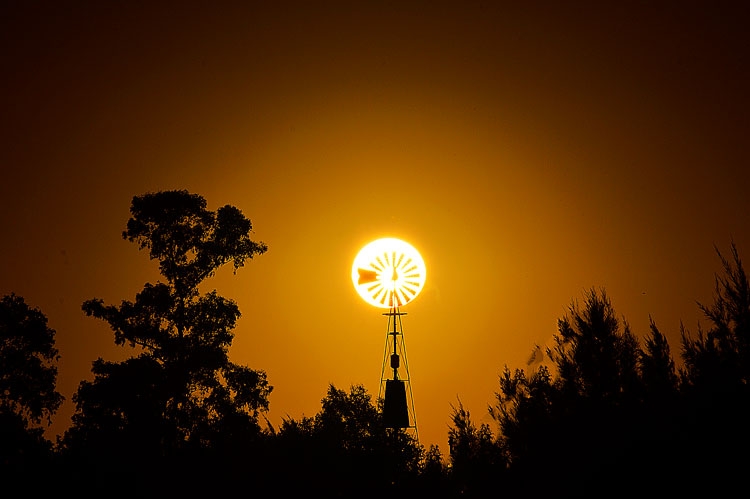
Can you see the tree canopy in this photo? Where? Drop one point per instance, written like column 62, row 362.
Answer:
column 181, row 391
column 28, row 377
column 28, row 371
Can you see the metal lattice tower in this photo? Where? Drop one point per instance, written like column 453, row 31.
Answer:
column 396, row 392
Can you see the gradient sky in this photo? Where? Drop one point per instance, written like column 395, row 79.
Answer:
column 529, row 153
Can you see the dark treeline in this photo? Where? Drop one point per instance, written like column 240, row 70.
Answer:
column 607, row 414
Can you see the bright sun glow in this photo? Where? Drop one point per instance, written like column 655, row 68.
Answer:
column 388, row 272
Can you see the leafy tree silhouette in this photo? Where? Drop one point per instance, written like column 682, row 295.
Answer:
column 180, row 395
column 346, row 451
column 578, row 431
column 715, row 384
column 596, row 358
column 613, row 417
column 434, row 476
column 524, row 411
column 28, row 395
column 477, row 462
column 719, row 359
column 657, row 368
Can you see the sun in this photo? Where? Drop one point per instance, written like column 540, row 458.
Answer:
column 388, row 273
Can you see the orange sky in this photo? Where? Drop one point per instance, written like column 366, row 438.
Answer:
column 528, row 153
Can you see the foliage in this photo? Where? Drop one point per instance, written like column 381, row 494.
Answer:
column 28, row 377
column 611, row 411
column 657, row 368
column 181, row 392
column 581, row 422
column 28, row 372
column 595, row 358
column 524, row 412
column 476, row 460
column 716, row 375
column 719, row 359
column 189, row 241
column 346, row 449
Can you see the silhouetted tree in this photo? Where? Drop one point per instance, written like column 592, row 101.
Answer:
column 577, row 425
column 346, row 451
column 657, row 367
column 477, row 462
column 434, row 477
column 719, row 359
column 180, row 393
column 28, row 395
column 715, row 380
column 612, row 417
column 525, row 412
column 596, row 358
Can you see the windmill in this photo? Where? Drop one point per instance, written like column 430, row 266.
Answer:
column 389, row 273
